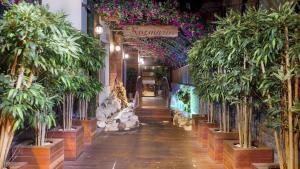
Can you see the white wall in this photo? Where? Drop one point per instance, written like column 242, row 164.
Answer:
column 74, row 10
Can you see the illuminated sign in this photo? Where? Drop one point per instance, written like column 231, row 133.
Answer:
column 150, row 31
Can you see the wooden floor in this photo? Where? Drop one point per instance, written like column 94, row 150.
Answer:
column 153, row 146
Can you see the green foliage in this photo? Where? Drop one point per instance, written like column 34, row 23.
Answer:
column 53, row 54
column 25, row 102
column 92, row 55
column 159, row 73
column 243, row 57
column 37, row 38
column 184, row 95
column 88, row 88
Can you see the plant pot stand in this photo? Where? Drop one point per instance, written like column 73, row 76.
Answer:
column 195, row 121
column 203, row 132
column 73, row 141
column 41, row 157
column 17, row 165
column 242, row 158
column 89, row 129
column 216, row 145
column 265, row 166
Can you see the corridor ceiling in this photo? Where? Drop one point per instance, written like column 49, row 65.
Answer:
column 185, row 15
column 193, row 18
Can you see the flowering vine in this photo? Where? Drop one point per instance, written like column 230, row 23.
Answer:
column 151, row 12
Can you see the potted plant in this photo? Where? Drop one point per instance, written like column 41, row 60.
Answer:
column 199, row 61
column 196, row 119
column 204, row 126
column 218, row 92
column 79, row 83
column 89, row 88
column 232, row 61
column 39, row 51
column 238, row 34
column 48, row 153
column 73, row 135
column 280, row 80
column 90, row 62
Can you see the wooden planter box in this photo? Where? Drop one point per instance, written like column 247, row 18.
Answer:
column 203, row 132
column 89, row 129
column 265, row 166
column 215, row 143
column 41, row 157
column 73, row 141
column 17, row 165
column 242, row 158
column 195, row 121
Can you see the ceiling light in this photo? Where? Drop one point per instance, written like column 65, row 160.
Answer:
column 118, row 48
column 99, row 29
column 126, row 56
column 112, row 47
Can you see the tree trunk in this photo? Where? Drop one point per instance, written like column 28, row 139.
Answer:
column 223, row 115
column 290, row 103
column 279, row 150
column 83, row 108
column 68, row 110
column 7, row 128
column 239, row 111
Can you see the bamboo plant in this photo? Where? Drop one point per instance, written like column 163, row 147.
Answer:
column 277, row 56
column 213, row 76
column 258, row 57
column 30, row 44
column 201, row 73
column 91, row 61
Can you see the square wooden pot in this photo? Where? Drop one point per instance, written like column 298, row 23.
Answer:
column 17, row 165
column 242, row 158
column 215, row 143
column 195, row 121
column 41, row 157
column 73, row 141
column 89, row 129
column 203, row 127
column 265, row 166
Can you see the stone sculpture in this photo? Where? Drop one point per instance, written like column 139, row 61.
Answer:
column 112, row 118
column 182, row 121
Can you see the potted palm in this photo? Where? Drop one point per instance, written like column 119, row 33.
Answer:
column 31, row 44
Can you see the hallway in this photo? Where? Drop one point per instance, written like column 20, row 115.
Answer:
column 151, row 146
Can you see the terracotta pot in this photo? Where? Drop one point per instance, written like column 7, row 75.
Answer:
column 89, row 129
column 215, row 143
column 50, row 156
column 203, row 127
column 265, row 166
column 195, row 121
column 73, row 141
column 17, row 165
column 242, row 158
